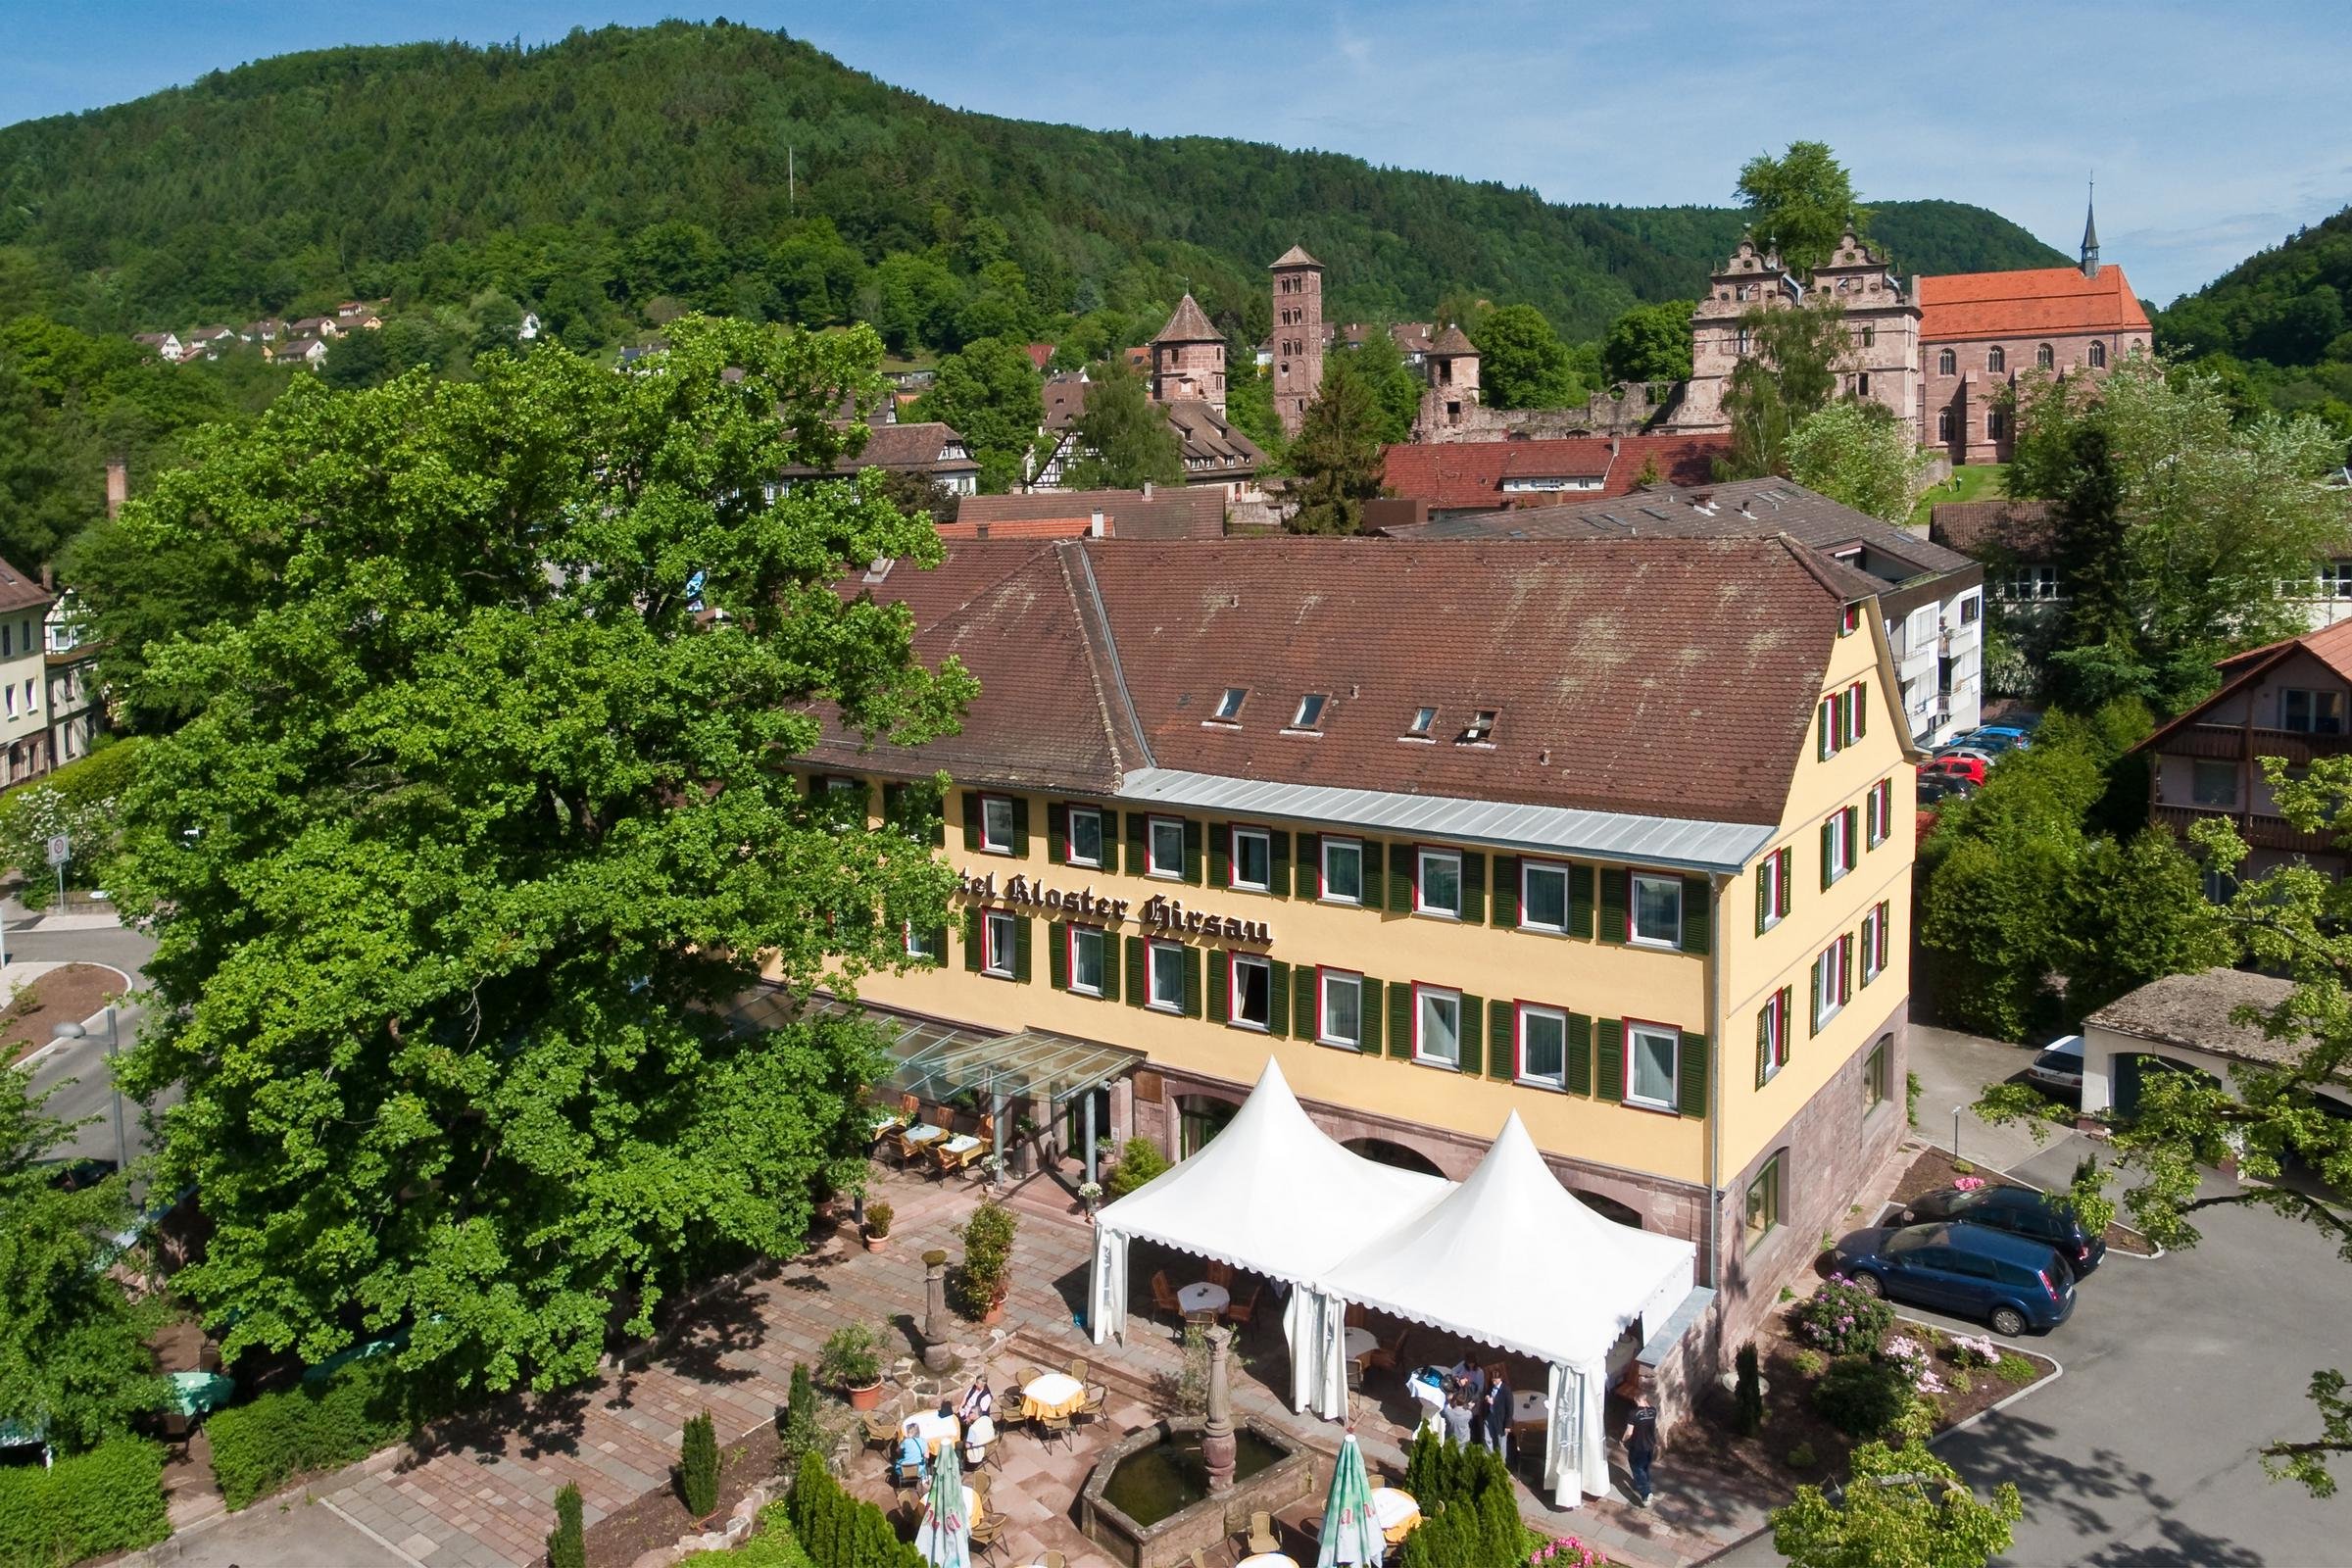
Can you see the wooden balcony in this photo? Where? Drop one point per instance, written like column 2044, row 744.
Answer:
column 2231, row 742
column 2259, row 832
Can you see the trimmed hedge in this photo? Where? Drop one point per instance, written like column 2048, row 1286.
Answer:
column 258, row 1445
column 108, row 1499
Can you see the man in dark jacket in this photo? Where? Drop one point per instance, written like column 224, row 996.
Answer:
column 1495, row 1418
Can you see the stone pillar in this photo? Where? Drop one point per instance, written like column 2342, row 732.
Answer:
column 1217, row 1447
column 938, row 1354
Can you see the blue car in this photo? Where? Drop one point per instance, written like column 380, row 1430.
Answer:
column 1970, row 1271
column 1999, row 737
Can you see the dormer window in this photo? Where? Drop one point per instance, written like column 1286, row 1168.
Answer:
column 1311, row 711
column 1482, row 728
column 1423, row 718
column 1229, row 706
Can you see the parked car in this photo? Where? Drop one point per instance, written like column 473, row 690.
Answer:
column 2059, row 1067
column 1989, row 742
column 73, row 1174
column 2020, row 1210
column 1969, row 770
column 1968, row 1270
column 1938, row 787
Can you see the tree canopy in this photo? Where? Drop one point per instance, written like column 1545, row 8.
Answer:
column 1858, row 453
column 1900, row 1508
column 991, row 394
column 1122, row 438
column 1649, row 343
column 481, row 818
column 1338, row 454
column 1789, row 376
column 1522, row 364
column 1799, row 203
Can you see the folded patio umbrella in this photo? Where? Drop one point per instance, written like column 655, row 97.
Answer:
column 947, row 1539
column 1351, row 1532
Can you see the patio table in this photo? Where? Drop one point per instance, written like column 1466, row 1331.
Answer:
column 1360, row 1344
column 1054, row 1393
column 934, row 1428
column 1204, row 1299
column 1529, row 1410
column 924, row 1134
column 1396, row 1512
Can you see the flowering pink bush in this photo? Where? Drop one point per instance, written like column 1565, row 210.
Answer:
column 1968, row 1184
column 1915, row 1361
column 1842, row 1318
column 1567, row 1552
column 1968, row 1351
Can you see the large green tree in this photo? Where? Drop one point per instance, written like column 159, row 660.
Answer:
column 1789, row 374
column 1522, row 364
column 1858, row 453
column 990, row 392
column 1396, row 390
column 1338, row 454
column 73, row 1358
column 481, row 819
column 1899, row 1508
column 1799, row 203
column 1649, row 343
column 1122, row 438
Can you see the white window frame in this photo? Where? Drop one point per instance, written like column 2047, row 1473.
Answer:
column 1071, row 936
column 1878, row 814
column 1323, row 893
column 1152, row 864
column 1422, row 855
column 1531, row 868
column 1153, row 954
column 1633, row 913
column 1311, row 711
column 1232, row 859
column 1424, row 724
column 1829, row 970
column 1772, row 875
column 1775, row 1034
column 1873, row 942
column 1633, row 1058
column 1519, row 1071
column 989, row 843
column 998, row 953
column 1230, row 703
column 912, row 941
column 1235, row 964
column 1070, row 836
column 1920, row 627
column 1842, row 858
column 1325, row 978
column 1423, row 996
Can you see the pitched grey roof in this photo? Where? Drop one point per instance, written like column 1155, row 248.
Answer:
column 1295, row 256
column 2196, row 1011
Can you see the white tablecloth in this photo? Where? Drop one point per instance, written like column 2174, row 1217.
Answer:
column 1266, row 1559
column 932, row 1427
column 924, row 1134
column 1530, row 1409
column 1392, row 1507
column 1360, row 1343
column 960, row 1143
column 1204, row 1297
column 923, row 1531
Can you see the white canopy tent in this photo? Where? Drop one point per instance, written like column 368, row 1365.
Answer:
column 1276, row 1195
column 1512, row 1258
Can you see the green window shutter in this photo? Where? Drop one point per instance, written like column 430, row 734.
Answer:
column 1138, row 847
column 1698, row 915
column 1813, row 1012
column 1020, row 826
column 1787, row 1024
column 1502, row 1052
column 1221, row 987
column 1763, row 893
column 971, row 940
column 1310, row 866
column 1278, row 863
column 1473, row 1038
column 1579, row 901
column 1110, row 967
column 1058, row 833
column 894, row 803
column 1057, row 955
column 939, row 942
column 1610, row 1084
column 1825, row 870
column 1191, row 982
column 1506, row 889
column 1278, row 999
column 1580, row 1054
column 1220, row 855
column 1402, row 866
column 1787, row 853
column 1375, row 879
column 1616, row 899
column 1861, row 708
column 1853, row 832
column 1845, row 966
column 1305, row 981
column 1020, row 947
column 1369, row 1010
column 1401, row 1021
column 1192, row 852
column 1691, row 1065
column 1474, row 887
column 1138, row 990
column 1763, row 1042
column 971, row 819
column 1828, row 714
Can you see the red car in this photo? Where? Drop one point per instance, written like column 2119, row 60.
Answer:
column 1967, row 769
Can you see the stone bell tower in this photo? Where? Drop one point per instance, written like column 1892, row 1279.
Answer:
column 1297, row 335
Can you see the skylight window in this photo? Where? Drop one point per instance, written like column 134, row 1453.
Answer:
column 1229, row 706
column 1423, row 718
column 1482, row 728
column 1311, row 711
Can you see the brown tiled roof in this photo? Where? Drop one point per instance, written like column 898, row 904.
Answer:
column 1982, row 529
column 1214, row 440
column 2030, row 302
column 20, row 592
column 2330, row 645
column 1454, row 474
column 903, row 448
column 1453, row 340
column 1040, row 355
column 1189, row 325
column 1672, row 677
column 1737, row 509
column 1295, row 256
column 2196, row 1011
column 1054, row 526
column 1064, row 399
column 1168, row 512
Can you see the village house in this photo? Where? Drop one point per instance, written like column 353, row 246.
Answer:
column 2189, row 1023
column 1190, row 512
column 1185, row 370
column 297, row 350
column 1454, row 478
column 1225, row 802
column 934, row 451
column 167, row 345
column 76, row 711
column 209, row 341
column 265, row 331
column 322, row 326
column 24, row 603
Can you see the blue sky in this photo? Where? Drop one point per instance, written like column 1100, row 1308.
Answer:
column 2214, row 130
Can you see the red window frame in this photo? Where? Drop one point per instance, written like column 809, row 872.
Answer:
column 1459, row 1024
column 1357, row 975
column 1069, row 959
column 1233, row 992
column 1625, row 1068
column 1323, row 844
column 1851, row 621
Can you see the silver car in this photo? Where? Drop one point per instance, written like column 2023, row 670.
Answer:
column 2059, row 1065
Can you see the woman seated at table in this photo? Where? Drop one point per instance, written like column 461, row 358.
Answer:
column 908, row 1467
column 977, row 1402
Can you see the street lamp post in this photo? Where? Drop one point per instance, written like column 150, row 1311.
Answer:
column 69, row 1030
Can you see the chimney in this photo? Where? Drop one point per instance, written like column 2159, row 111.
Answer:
column 1146, row 489
column 1095, row 529
column 117, row 485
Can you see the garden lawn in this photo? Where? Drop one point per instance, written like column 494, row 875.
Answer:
column 1971, row 482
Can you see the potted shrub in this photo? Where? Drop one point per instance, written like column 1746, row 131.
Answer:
column 877, row 1225
column 852, row 1361
column 986, row 1277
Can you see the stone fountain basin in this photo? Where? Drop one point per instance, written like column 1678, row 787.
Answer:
column 1200, row 1526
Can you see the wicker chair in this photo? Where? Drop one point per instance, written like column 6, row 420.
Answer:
column 881, row 1429
column 1090, row 1408
column 1243, row 1312
column 1078, row 1369
column 1050, row 1427
column 1221, row 1274
column 986, row 1532
column 1263, row 1540
column 980, row 1481
column 1054, row 1559
column 1029, row 1375
column 1163, row 1296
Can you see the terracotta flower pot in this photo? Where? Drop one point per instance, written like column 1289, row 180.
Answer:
column 868, row 1397
column 993, row 1316
column 874, row 1242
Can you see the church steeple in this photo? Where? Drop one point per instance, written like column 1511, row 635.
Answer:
column 2090, row 235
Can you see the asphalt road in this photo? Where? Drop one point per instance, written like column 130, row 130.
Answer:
column 79, row 1072
column 296, row 1533
column 2177, row 1371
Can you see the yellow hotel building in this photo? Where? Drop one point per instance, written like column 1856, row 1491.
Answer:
column 1616, row 834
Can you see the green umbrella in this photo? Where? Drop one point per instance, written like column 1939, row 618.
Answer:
column 1351, row 1532
column 945, row 1537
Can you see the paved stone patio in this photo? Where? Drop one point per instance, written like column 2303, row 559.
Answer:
column 478, row 1493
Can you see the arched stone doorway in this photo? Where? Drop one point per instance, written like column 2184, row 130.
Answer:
column 1198, row 1119
column 1609, row 1209
column 1380, row 1151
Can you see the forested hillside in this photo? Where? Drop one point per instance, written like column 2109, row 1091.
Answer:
column 742, row 170
column 2277, row 324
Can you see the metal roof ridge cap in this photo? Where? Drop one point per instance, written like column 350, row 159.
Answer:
column 1111, row 652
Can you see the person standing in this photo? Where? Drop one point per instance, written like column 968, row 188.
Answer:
column 1494, row 1426
column 1642, row 1444
column 1457, row 1420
